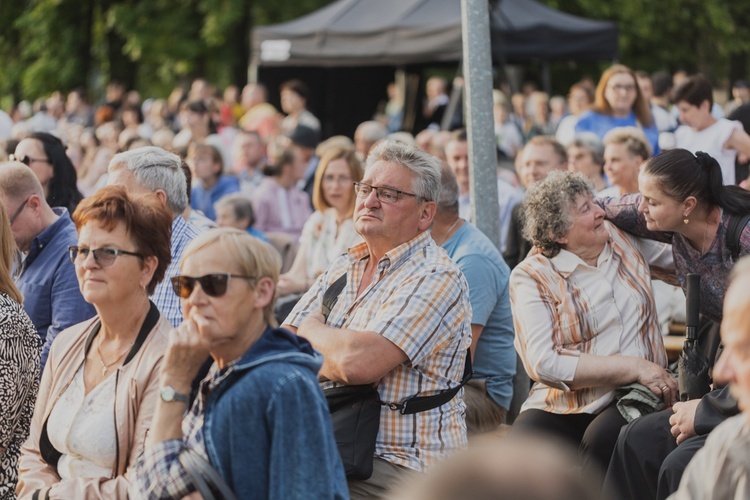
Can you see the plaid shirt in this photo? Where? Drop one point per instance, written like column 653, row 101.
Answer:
column 158, row 473
column 164, row 297
column 419, row 300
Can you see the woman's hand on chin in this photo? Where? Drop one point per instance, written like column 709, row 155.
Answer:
column 187, row 351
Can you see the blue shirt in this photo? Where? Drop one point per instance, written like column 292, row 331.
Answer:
column 47, row 279
column 488, row 276
column 203, row 199
column 258, row 234
column 591, row 121
column 164, row 297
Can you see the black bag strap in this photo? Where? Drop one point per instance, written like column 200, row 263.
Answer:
column 416, row 404
column 734, row 231
column 419, row 404
column 331, row 295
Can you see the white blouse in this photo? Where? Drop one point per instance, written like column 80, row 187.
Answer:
column 81, row 427
column 323, row 240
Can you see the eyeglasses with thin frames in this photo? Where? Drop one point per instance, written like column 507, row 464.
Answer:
column 27, row 160
column 214, row 285
column 622, row 88
column 19, row 210
column 103, row 256
column 383, row 194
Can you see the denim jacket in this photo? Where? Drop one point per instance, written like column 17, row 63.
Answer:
column 267, row 428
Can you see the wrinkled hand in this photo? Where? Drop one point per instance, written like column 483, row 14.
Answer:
column 683, row 420
column 659, row 381
column 186, row 352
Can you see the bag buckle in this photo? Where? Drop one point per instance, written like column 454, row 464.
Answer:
column 401, row 408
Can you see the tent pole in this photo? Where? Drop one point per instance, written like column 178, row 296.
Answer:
column 475, row 20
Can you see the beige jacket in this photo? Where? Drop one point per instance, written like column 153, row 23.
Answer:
column 136, row 389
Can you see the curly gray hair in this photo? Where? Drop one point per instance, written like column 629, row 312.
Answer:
column 546, row 209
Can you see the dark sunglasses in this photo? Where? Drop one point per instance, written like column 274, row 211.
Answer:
column 105, row 257
column 27, row 160
column 214, row 285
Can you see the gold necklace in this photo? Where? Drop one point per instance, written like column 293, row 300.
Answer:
column 106, row 366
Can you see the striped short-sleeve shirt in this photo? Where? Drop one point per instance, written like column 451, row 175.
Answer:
column 418, row 300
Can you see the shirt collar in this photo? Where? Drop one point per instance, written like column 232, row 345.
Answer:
column 567, row 262
column 42, row 239
column 395, row 256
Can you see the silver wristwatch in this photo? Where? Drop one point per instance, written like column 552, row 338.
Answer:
column 168, row 394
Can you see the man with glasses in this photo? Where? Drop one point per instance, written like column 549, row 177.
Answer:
column 43, row 273
column 152, row 169
column 401, row 322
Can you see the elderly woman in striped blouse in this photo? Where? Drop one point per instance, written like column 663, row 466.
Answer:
column 585, row 318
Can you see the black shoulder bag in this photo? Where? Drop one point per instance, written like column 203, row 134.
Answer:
column 734, row 232
column 355, row 409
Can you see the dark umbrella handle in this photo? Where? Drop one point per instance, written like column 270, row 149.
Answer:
column 693, row 305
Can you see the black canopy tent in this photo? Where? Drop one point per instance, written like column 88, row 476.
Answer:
column 355, row 45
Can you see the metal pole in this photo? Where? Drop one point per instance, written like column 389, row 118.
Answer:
column 475, row 20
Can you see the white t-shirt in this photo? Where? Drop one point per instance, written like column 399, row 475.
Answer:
column 711, row 140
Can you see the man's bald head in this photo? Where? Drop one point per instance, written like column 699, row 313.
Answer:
column 18, row 182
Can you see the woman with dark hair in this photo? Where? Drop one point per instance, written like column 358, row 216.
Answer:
column 683, row 201
column 289, row 216
column 45, row 155
column 100, row 384
column 619, row 103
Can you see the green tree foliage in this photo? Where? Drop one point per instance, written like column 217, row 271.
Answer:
column 152, row 45
column 697, row 35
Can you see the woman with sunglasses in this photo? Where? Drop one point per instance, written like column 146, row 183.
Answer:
column 19, row 365
column 330, row 229
column 259, row 419
column 100, row 384
column 45, row 155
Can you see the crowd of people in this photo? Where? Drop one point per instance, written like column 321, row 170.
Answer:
column 185, row 282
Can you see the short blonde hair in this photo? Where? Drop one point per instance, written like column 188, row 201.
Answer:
column 632, row 138
column 252, row 256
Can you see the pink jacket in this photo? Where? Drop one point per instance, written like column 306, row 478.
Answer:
column 136, row 392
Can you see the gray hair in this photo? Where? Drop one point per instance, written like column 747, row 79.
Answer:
column 448, row 190
column 591, row 143
column 546, row 209
column 240, row 206
column 371, row 131
column 155, row 168
column 425, row 167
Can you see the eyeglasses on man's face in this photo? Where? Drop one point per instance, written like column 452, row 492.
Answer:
column 383, row 194
column 18, row 211
column 214, row 285
column 28, row 160
column 103, row 256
